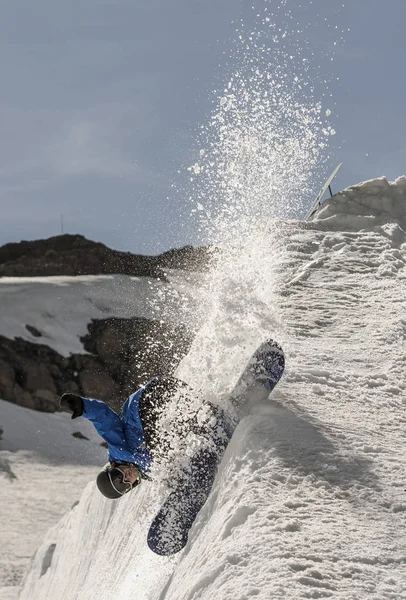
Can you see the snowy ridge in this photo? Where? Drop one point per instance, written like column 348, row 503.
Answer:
column 61, row 307
column 309, row 500
column 365, row 205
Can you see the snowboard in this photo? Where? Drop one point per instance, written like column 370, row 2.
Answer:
column 169, row 531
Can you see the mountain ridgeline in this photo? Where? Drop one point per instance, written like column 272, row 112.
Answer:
column 75, row 255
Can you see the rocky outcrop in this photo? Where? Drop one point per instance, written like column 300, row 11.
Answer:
column 138, row 346
column 76, row 255
column 187, row 258
column 123, row 354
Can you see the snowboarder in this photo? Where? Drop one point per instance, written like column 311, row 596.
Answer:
column 133, row 438
column 139, row 435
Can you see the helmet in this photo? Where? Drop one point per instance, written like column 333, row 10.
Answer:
column 111, row 482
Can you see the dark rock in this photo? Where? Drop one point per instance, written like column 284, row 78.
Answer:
column 45, row 400
column 47, row 560
column 6, row 470
column 134, row 350
column 187, row 258
column 37, row 376
column 99, row 384
column 76, row 255
column 7, row 378
column 123, row 354
column 55, row 371
column 21, row 397
column 33, row 330
column 79, row 435
column 72, row 387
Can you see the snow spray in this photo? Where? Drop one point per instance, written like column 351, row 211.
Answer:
column 257, row 163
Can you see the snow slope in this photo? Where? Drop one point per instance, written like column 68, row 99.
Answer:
column 60, row 307
column 43, row 469
column 309, row 501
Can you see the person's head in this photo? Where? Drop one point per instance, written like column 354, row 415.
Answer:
column 117, row 479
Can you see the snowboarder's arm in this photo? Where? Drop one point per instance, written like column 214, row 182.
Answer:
column 111, row 428
column 107, row 423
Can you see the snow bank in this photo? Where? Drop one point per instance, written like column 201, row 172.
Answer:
column 61, row 307
column 366, row 205
column 49, row 436
column 43, row 471
column 309, row 500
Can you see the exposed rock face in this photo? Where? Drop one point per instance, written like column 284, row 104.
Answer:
column 138, row 346
column 75, row 255
column 124, row 353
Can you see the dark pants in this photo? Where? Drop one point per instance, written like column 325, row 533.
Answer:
column 157, row 394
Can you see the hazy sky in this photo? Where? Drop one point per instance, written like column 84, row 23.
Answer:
column 101, row 102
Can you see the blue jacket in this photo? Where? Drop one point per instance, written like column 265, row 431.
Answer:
column 124, row 434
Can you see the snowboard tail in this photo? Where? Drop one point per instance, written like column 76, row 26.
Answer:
column 169, row 530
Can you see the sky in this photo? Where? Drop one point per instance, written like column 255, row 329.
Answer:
column 102, row 102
